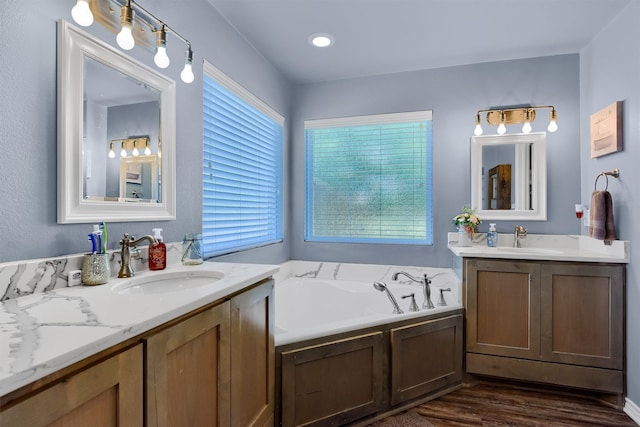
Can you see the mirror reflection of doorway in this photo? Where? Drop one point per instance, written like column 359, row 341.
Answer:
column 499, row 191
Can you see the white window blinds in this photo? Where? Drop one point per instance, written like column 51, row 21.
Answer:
column 369, row 179
column 243, row 138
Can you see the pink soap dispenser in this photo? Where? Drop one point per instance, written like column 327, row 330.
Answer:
column 157, row 252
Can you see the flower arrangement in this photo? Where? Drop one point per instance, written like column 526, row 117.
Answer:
column 467, row 220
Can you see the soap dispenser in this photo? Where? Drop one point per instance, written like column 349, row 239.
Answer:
column 492, row 236
column 157, row 252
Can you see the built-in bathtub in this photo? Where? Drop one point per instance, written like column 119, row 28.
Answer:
column 341, row 353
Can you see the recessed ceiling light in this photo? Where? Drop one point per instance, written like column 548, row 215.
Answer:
column 321, row 39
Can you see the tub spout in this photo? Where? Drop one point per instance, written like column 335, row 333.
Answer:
column 383, row 288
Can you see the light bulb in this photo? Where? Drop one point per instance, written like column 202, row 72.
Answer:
column 526, row 128
column 478, row 130
column 161, row 58
column 112, row 153
column 147, row 150
column 502, row 129
column 123, row 152
column 135, row 151
column 81, row 13
column 125, row 38
column 187, row 74
column 553, row 121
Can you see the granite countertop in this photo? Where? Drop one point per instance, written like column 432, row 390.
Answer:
column 45, row 332
column 545, row 247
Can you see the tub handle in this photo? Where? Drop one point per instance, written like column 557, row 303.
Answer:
column 413, row 306
column 442, row 301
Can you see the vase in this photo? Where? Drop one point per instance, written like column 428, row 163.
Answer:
column 464, row 238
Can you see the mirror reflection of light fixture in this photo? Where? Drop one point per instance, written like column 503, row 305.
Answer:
column 135, row 26
column 514, row 115
column 130, row 144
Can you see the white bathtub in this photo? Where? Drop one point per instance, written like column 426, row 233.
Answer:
column 320, row 299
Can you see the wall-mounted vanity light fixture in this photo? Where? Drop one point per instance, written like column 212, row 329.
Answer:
column 507, row 116
column 130, row 144
column 134, row 26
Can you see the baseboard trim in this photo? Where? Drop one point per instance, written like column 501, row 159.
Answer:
column 632, row 410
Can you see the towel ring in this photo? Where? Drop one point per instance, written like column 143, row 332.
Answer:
column 614, row 173
column 595, row 186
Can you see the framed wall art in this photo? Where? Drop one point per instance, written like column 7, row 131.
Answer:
column 606, row 130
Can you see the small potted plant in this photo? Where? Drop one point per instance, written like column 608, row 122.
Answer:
column 467, row 224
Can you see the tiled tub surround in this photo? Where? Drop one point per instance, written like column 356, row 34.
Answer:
column 44, row 332
column 22, row 278
column 545, row 247
column 315, row 299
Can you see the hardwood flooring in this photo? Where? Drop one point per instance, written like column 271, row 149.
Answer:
column 504, row 405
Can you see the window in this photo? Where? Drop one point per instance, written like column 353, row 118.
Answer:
column 242, row 168
column 368, row 179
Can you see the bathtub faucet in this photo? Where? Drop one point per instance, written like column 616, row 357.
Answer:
column 383, row 288
column 426, row 282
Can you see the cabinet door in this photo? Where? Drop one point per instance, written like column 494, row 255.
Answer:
column 583, row 314
column 333, row 383
column 187, row 372
column 108, row 394
column 252, row 357
column 425, row 357
column 503, row 308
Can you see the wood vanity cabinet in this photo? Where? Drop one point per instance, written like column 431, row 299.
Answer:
column 559, row 323
column 107, row 394
column 214, row 367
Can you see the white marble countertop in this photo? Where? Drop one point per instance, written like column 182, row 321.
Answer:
column 543, row 247
column 45, row 332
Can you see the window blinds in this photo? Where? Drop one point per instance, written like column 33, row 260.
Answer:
column 369, row 179
column 242, row 168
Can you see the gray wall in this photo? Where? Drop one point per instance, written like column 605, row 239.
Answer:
column 28, row 227
column 609, row 72
column 454, row 94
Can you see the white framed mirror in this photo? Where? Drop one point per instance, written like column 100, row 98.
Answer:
column 509, row 176
column 104, row 94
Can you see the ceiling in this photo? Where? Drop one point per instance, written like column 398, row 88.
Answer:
column 375, row 37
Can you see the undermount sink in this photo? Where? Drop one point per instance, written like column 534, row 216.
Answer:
column 175, row 281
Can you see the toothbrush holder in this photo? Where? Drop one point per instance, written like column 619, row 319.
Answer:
column 95, row 269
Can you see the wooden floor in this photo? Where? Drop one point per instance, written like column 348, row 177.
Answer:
column 499, row 405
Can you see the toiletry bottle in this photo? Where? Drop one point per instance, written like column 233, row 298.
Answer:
column 157, row 252
column 492, row 236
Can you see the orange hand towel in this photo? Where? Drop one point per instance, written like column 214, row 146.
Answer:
column 601, row 223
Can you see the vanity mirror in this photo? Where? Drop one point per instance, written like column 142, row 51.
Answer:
column 107, row 100
column 509, row 176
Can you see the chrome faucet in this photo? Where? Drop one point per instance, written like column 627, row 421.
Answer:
column 129, row 250
column 520, row 232
column 426, row 282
